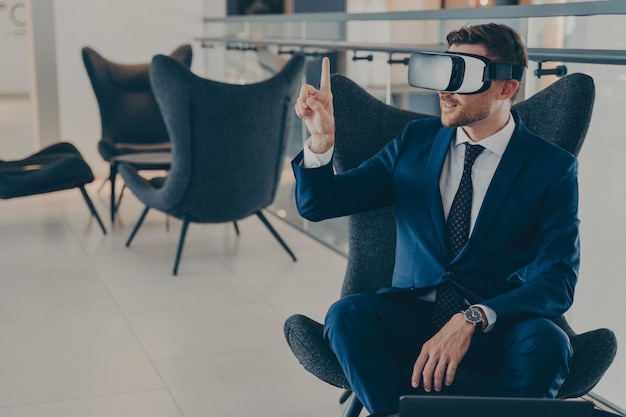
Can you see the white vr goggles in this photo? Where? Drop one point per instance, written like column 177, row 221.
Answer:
column 458, row 72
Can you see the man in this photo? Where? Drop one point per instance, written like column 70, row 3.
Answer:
column 511, row 255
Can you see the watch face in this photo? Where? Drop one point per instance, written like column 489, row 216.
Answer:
column 473, row 316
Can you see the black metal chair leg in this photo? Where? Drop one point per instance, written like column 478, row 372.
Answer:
column 276, row 235
column 181, row 243
column 137, row 225
column 119, row 201
column 345, row 395
column 112, row 175
column 94, row 213
column 236, row 228
column 354, row 407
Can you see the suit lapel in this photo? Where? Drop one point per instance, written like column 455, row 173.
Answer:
column 441, row 145
column 513, row 159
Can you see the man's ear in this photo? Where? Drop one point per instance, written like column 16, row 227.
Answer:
column 509, row 87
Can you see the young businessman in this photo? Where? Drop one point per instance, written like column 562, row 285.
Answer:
column 486, row 211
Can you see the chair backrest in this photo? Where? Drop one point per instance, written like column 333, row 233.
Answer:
column 228, row 141
column 128, row 110
column 560, row 113
column 363, row 126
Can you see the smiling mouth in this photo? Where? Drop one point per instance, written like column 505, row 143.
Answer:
column 448, row 105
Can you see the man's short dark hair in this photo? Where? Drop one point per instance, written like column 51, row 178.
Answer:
column 501, row 41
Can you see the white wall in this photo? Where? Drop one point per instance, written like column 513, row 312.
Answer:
column 13, row 48
column 123, row 31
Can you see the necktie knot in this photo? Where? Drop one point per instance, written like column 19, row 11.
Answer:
column 471, row 153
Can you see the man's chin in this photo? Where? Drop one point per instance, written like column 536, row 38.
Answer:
column 448, row 122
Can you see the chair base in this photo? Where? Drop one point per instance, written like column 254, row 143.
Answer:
column 183, row 235
column 142, row 216
column 92, row 208
column 354, row 407
column 275, row 234
column 345, row 396
column 181, row 243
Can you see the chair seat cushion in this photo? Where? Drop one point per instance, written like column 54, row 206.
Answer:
column 594, row 352
column 157, row 182
column 108, row 149
column 57, row 167
column 305, row 337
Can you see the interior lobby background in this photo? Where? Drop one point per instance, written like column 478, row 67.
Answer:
column 133, row 31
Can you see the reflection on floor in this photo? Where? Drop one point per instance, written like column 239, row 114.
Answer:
column 89, row 327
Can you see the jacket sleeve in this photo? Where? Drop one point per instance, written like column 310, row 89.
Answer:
column 321, row 194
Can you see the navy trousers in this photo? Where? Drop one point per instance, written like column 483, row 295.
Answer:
column 377, row 338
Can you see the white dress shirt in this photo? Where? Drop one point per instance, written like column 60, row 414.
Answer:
column 482, row 172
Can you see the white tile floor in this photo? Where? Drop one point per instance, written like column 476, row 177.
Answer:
column 89, row 327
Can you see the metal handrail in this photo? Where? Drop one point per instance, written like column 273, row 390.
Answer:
column 587, row 56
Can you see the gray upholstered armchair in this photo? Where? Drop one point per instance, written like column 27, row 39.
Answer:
column 560, row 113
column 130, row 118
column 228, row 145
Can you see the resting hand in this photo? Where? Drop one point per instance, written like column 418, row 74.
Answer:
column 440, row 356
column 315, row 107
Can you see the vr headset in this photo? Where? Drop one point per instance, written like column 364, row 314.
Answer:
column 458, row 72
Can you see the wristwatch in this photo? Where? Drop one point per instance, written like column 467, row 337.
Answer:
column 473, row 316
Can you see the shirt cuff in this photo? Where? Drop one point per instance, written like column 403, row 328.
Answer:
column 315, row 160
column 491, row 316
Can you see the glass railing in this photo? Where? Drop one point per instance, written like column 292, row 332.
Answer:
column 588, row 37
column 246, row 49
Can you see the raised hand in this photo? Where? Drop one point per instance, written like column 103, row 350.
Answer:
column 315, row 107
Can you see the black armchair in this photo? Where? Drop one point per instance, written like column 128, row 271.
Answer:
column 228, row 144
column 130, row 118
column 57, row 167
column 560, row 113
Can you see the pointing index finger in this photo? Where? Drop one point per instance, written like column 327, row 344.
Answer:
column 325, row 78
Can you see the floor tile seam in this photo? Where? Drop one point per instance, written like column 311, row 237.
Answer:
column 256, row 291
column 132, row 330
column 199, row 310
column 224, row 353
column 29, row 317
column 87, row 398
column 224, row 262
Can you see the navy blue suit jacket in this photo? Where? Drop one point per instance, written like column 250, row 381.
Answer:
column 522, row 257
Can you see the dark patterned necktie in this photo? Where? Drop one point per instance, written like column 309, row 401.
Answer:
column 449, row 300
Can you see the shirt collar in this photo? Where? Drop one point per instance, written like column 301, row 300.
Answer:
column 495, row 143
